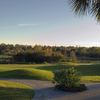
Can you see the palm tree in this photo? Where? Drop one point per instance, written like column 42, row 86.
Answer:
column 91, row 7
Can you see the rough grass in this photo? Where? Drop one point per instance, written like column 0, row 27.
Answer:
column 15, row 91
column 90, row 72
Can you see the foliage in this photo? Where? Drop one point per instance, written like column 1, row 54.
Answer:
column 37, row 57
column 67, row 78
column 50, row 54
column 91, row 7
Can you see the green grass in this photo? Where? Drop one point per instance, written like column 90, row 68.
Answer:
column 92, row 79
column 27, row 74
column 89, row 71
column 15, row 91
column 86, row 69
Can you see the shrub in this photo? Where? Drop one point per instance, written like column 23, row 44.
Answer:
column 69, row 78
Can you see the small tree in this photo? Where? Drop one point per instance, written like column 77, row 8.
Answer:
column 68, row 78
column 73, row 56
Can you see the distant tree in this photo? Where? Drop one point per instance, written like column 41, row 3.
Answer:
column 38, row 53
column 73, row 57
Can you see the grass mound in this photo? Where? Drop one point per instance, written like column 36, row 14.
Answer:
column 28, row 74
column 15, row 91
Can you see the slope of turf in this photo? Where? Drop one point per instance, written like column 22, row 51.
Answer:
column 89, row 71
column 15, row 91
column 27, row 74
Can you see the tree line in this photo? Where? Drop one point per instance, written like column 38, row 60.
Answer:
column 40, row 54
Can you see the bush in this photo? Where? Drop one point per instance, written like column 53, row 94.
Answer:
column 68, row 79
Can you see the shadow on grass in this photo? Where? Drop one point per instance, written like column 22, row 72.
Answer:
column 27, row 74
column 85, row 70
column 53, row 67
column 16, row 94
column 15, row 74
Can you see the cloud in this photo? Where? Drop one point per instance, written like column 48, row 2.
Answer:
column 17, row 25
column 24, row 25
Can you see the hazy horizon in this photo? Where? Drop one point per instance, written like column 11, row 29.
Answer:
column 46, row 22
column 49, row 45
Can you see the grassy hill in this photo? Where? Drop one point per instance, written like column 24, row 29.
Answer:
column 90, row 72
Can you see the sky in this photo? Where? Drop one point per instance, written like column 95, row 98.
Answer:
column 46, row 22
